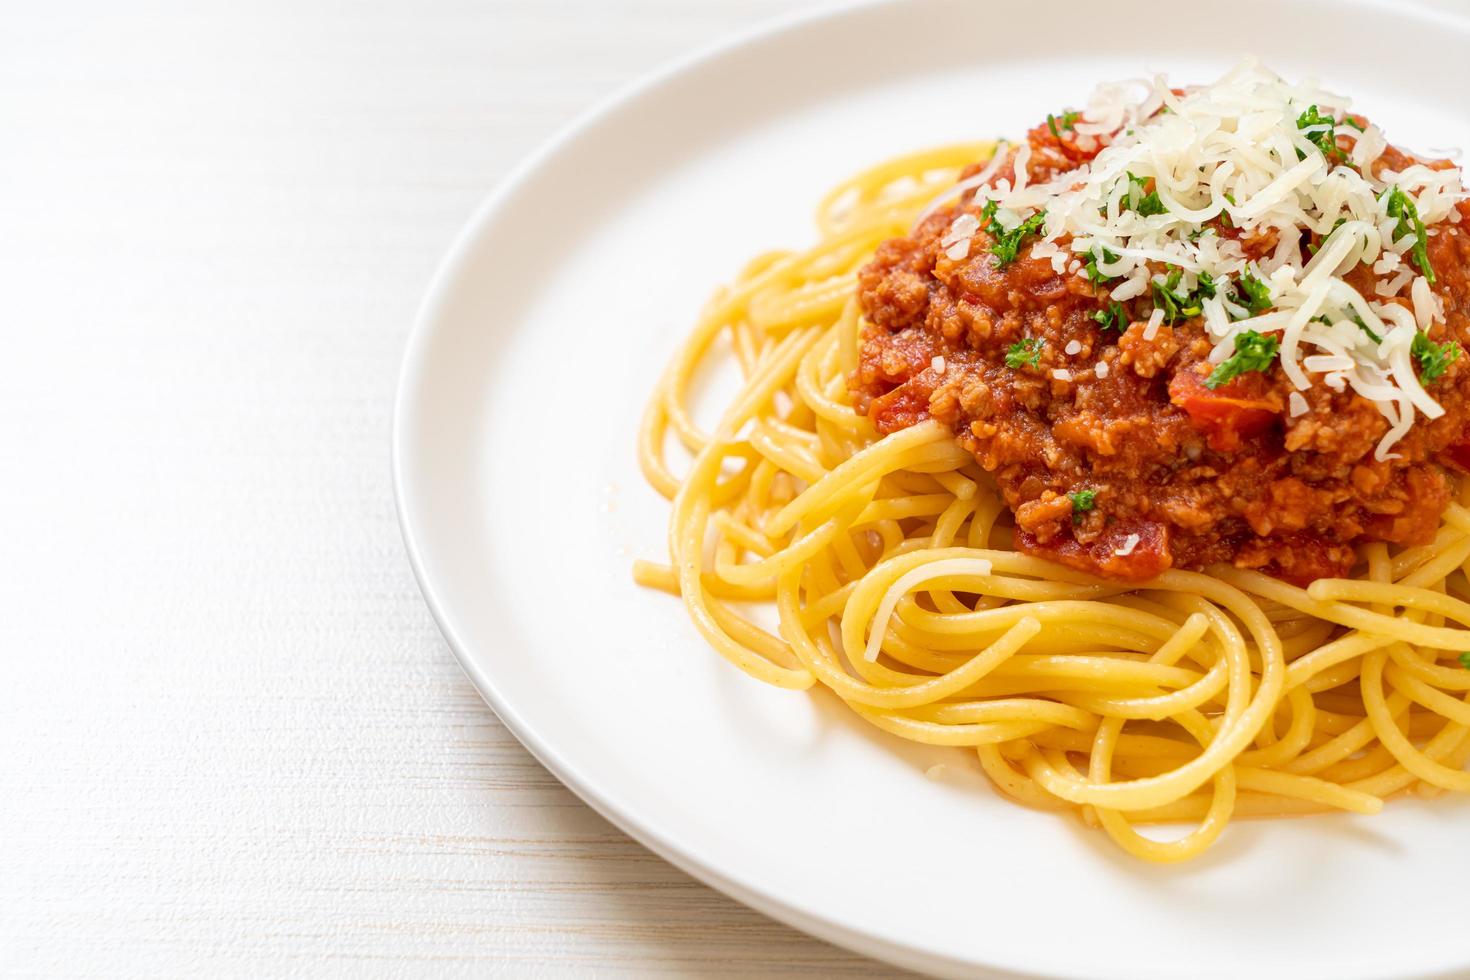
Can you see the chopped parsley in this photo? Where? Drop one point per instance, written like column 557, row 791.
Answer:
column 1401, row 206
column 1253, row 294
column 1353, row 315
column 1136, row 200
column 1355, row 124
column 1314, row 246
column 1067, row 120
column 1024, row 352
column 1253, row 352
column 1098, row 254
column 1007, row 244
column 1434, row 359
column 1082, row 502
column 1181, row 306
column 1465, row 660
column 1325, row 140
column 1111, row 317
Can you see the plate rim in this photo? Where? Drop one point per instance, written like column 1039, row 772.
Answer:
column 889, row 949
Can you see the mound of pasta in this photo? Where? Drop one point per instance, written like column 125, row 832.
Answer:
column 1127, row 457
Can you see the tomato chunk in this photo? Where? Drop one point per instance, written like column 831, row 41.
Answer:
column 1134, row 552
column 906, row 405
column 1224, row 414
column 1458, row 455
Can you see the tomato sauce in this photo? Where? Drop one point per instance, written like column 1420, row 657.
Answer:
column 1180, row 475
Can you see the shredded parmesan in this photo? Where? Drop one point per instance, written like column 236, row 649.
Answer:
column 1234, row 148
column 1102, row 369
column 960, row 189
column 1151, row 329
column 1298, row 404
column 937, row 363
column 1129, row 543
column 1073, row 348
column 962, row 227
column 1391, row 287
column 1426, row 307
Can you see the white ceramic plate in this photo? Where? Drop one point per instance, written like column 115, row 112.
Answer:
column 522, row 506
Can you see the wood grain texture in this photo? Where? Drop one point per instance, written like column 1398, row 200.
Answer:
column 231, row 738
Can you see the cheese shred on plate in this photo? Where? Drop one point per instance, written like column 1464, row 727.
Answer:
column 1277, row 161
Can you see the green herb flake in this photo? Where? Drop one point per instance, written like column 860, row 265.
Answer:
column 1434, row 359
column 1325, row 140
column 1253, row 352
column 1313, row 247
column 1225, row 215
column 1024, row 352
column 1353, row 315
column 1008, row 243
column 1067, row 120
column 1253, row 294
column 1146, row 205
column 1082, row 502
column 1099, row 254
column 1465, row 660
column 1181, row 306
column 1111, row 317
column 1401, row 206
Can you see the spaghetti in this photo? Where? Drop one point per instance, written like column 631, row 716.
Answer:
column 891, row 564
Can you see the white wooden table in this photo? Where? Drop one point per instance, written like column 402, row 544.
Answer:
column 231, row 738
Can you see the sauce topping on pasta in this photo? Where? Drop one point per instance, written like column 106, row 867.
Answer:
column 1212, row 325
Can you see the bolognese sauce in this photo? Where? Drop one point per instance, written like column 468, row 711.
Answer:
column 1124, row 441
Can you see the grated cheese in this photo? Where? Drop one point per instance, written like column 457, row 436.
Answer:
column 1073, row 348
column 1426, row 309
column 1391, row 287
column 1151, row 329
column 937, row 363
column 960, row 189
column 1233, row 148
column 1129, row 543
